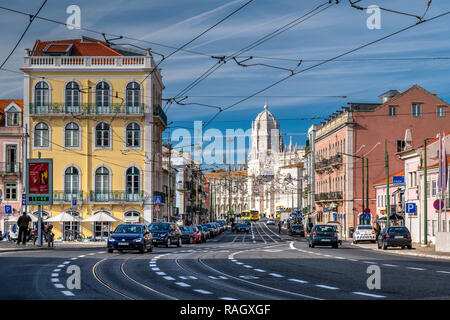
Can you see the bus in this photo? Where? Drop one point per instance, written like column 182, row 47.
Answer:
column 253, row 215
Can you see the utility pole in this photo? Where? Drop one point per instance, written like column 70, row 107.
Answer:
column 169, row 211
column 425, row 191
column 388, row 204
column 367, row 183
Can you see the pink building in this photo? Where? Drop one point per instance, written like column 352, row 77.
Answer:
column 396, row 200
column 11, row 166
column 403, row 119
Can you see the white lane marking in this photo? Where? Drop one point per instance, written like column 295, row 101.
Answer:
column 248, row 277
column 239, row 263
column 74, row 258
column 66, row 262
column 55, row 274
column 59, row 285
column 291, row 245
column 192, row 277
column 368, row 294
column 326, row 287
column 169, row 278
column 182, row 284
column 353, row 260
column 340, row 258
column 61, row 266
column 56, row 270
column 415, row 268
column 101, row 252
column 212, row 277
column 82, row 256
column 91, row 254
column 152, row 265
column 161, row 273
column 223, row 277
column 276, row 275
column 443, row 271
column 247, row 266
column 297, row 280
column 227, row 298
column 389, row 265
column 54, row 279
column 370, row 262
column 153, row 261
column 67, row 293
column 326, row 255
column 202, row 291
column 155, row 269
column 259, row 270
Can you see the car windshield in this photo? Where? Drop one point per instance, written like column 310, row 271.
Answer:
column 398, row 230
column 159, row 227
column 124, row 228
column 242, row 225
column 325, row 228
column 364, row 227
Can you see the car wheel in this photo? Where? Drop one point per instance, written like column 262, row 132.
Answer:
column 403, row 247
column 142, row 250
column 374, row 241
column 179, row 242
column 190, row 240
column 334, row 246
column 110, row 250
column 168, row 243
column 312, row 245
column 409, row 247
column 354, row 241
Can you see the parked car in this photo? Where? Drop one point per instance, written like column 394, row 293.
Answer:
column 165, row 233
column 130, row 237
column 364, row 232
column 224, row 224
column 247, row 221
column 187, row 235
column 270, row 222
column 210, row 230
column 395, row 237
column 338, row 230
column 242, row 227
column 323, row 235
column 296, row 229
column 204, row 232
column 196, row 235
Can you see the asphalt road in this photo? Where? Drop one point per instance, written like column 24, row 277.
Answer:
column 257, row 266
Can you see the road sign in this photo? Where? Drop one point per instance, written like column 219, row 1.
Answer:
column 411, row 207
column 398, row 180
column 8, row 209
column 367, row 211
column 24, row 202
column 157, row 199
column 325, row 209
column 438, row 204
column 24, row 196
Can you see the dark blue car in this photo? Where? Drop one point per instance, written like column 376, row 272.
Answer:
column 130, row 237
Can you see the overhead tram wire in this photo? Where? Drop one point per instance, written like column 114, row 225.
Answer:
column 32, row 17
column 224, row 59
column 326, row 61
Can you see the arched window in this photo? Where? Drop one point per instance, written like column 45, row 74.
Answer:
column 133, row 135
column 102, row 184
column 133, row 183
column 71, row 183
column 72, row 135
column 102, row 135
column 102, row 95
column 41, row 97
column 131, row 217
column 41, row 135
column 72, row 97
column 133, row 97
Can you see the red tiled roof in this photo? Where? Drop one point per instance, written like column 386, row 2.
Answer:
column 382, row 182
column 6, row 102
column 81, row 47
column 436, row 164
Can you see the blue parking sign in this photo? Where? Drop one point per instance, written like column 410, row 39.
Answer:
column 411, row 207
column 8, row 209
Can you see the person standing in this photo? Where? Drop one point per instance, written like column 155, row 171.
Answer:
column 23, row 223
column 279, row 227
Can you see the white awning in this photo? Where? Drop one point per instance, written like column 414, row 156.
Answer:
column 101, row 216
column 63, row 217
column 15, row 218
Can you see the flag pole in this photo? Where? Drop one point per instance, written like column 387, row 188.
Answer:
column 440, row 182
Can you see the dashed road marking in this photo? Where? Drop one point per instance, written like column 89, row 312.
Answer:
column 68, row 293
column 259, row 270
column 54, row 279
column 247, row 266
column 182, row 284
column 443, row 271
column 248, row 277
column 276, row 275
column 56, row 270
column 155, row 269
column 326, row 287
column 82, row 256
column 169, row 278
column 75, row 258
column 59, row 285
column 415, row 268
column 368, row 294
column 389, row 265
column 202, row 291
column 212, row 277
column 160, row 273
column 61, row 266
column 55, row 274
column 227, row 298
column 369, row 262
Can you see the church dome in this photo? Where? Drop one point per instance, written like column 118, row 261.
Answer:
column 266, row 120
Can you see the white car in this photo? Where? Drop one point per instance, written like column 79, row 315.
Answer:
column 270, row 222
column 364, row 233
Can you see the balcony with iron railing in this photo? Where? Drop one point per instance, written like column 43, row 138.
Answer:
column 86, row 109
column 328, row 164
column 67, row 196
column 328, row 196
column 116, row 196
column 159, row 112
column 10, row 168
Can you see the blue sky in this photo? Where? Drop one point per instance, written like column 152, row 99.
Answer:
column 336, row 30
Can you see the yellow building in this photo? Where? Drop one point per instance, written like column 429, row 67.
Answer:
column 95, row 109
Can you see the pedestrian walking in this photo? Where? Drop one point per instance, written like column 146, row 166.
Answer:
column 23, row 223
column 279, row 227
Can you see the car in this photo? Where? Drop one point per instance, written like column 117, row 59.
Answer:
column 224, row 224
column 130, row 237
column 242, row 227
column 196, row 235
column 395, row 237
column 270, row 222
column 187, row 235
column 204, row 232
column 247, row 221
column 165, row 233
column 210, row 229
column 338, row 230
column 364, row 232
column 296, row 229
column 323, row 235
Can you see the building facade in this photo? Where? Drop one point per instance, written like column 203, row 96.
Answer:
column 95, row 109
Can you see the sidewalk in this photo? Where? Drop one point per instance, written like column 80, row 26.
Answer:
column 417, row 250
column 6, row 246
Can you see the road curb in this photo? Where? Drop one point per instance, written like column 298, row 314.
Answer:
column 432, row 256
column 26, row 249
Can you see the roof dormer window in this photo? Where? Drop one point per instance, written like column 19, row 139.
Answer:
column 13, row 115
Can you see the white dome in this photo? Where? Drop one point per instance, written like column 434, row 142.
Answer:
column 266, row 120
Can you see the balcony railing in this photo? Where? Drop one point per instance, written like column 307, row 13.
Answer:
column 328, row 196
column 328, row 164
column 86, row 108
column 116, row 196
column 78, row 62
column 158, row 111
column 10, row 167
column 67, row 196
